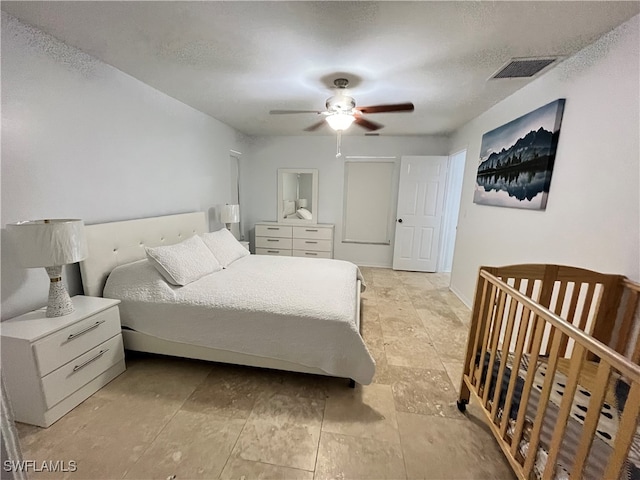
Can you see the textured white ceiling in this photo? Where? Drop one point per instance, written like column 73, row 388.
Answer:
column 237, row 60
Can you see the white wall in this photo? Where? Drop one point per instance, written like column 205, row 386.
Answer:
column 593, row 211
column 267, row 154
column 81, row 139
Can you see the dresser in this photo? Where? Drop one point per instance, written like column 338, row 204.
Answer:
column 50, row 365
column 308, row 240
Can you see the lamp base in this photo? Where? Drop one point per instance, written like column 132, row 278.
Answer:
column 59, row 303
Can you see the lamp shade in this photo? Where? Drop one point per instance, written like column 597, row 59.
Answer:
column 230, row 214
column 48, row 243
column 340, row 121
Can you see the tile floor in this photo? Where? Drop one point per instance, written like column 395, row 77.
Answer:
column 169, row 417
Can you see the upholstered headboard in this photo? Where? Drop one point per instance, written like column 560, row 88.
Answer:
column 117, row 243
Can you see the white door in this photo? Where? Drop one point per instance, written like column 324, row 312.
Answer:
column 419, row 215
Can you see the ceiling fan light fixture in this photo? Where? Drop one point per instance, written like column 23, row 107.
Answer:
column 340, row 121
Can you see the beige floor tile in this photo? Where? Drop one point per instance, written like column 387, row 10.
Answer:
column 447, row 448
column 156, row 376
column 230, row 391
column 376, row 348
column 287, row 445
column 451, row 344
column 428, row 392
column 454, row 371
column 192, row 445
column 282, row 430
column 365, row 411
column 416, row 351
column 344, row 457
column 238, row 468
column 392, row 293
column 402, row 325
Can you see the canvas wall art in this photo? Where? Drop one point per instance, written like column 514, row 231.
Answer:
column 516, row 160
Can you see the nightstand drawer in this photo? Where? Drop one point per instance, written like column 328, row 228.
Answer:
column 314, row 245
column 268, row 242
column 66, row 344
column 306, row 253
column 62, row 382
column 273, row 251
column 273, row 231
column 318, row 233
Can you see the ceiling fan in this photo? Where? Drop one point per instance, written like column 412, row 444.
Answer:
column 341, row 111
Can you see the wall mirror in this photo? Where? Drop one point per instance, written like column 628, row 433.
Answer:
column 298, row 195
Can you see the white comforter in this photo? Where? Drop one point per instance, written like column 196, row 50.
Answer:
column 298, row 310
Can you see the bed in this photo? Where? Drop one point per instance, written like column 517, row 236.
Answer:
column 552, row 360
column 285, row 313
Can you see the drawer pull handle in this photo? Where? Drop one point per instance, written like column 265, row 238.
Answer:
column 83, row 331
column 93, row 359
column 273, row 251
column 310, row 230
column 310, row 253
column 273, row 228
column 272, row 240
column 310, row 242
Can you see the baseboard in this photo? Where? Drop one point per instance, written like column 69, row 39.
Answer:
column 462, row 298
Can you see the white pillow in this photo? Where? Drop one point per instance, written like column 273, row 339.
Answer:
column 224, row 246
column 304, row 214
column 184, row 262
column 289, row 207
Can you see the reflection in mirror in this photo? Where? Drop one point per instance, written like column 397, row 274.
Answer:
column 297, row 195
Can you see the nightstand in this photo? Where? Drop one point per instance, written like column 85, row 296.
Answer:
column 245, row 244
column 50, row 365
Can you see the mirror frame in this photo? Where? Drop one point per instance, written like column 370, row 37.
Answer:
column 314, row 195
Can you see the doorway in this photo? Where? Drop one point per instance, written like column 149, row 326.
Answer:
column 427, row 215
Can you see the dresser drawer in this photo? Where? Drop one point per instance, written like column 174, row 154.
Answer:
column 62, row 382
column 65, row 345
column 314, row 245
column 271, row 243
column 273, row 251
column 306, row 253
column 318, row 233
column 274, row 231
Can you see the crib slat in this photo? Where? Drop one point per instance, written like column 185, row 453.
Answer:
column 573, row 306
column 558, row 311
column 507, row 341
column 626, row 431
column 523, row 327
column 528, row 382
column 635, row 358
column 587, row 306
column 591, row 421
column 494, row 347
column 529, row 293
column 487, row 330
column 556, row 337
column 577, row 358
column 479, row 325
column 627, row 321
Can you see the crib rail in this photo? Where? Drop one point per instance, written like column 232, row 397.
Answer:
column 518, row 312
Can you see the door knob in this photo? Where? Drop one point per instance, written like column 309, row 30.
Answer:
column 399, row 220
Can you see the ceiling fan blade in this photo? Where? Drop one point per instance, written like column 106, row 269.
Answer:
column 314, row 127
column 369, row 125
column 285, row 112
column 397, row 107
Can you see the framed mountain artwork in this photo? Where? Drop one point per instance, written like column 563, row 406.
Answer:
column 516, row 160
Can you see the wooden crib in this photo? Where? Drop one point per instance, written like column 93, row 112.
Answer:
column 552, row 359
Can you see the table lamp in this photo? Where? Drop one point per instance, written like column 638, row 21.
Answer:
column 230, row 214
column 50, row 244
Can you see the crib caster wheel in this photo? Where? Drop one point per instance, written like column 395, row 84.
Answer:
column 462, row 405
column 352, row 383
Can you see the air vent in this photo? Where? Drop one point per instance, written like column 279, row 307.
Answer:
column 524, row 67
column 371, row 134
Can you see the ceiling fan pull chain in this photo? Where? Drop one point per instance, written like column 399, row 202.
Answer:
column 339, row 142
